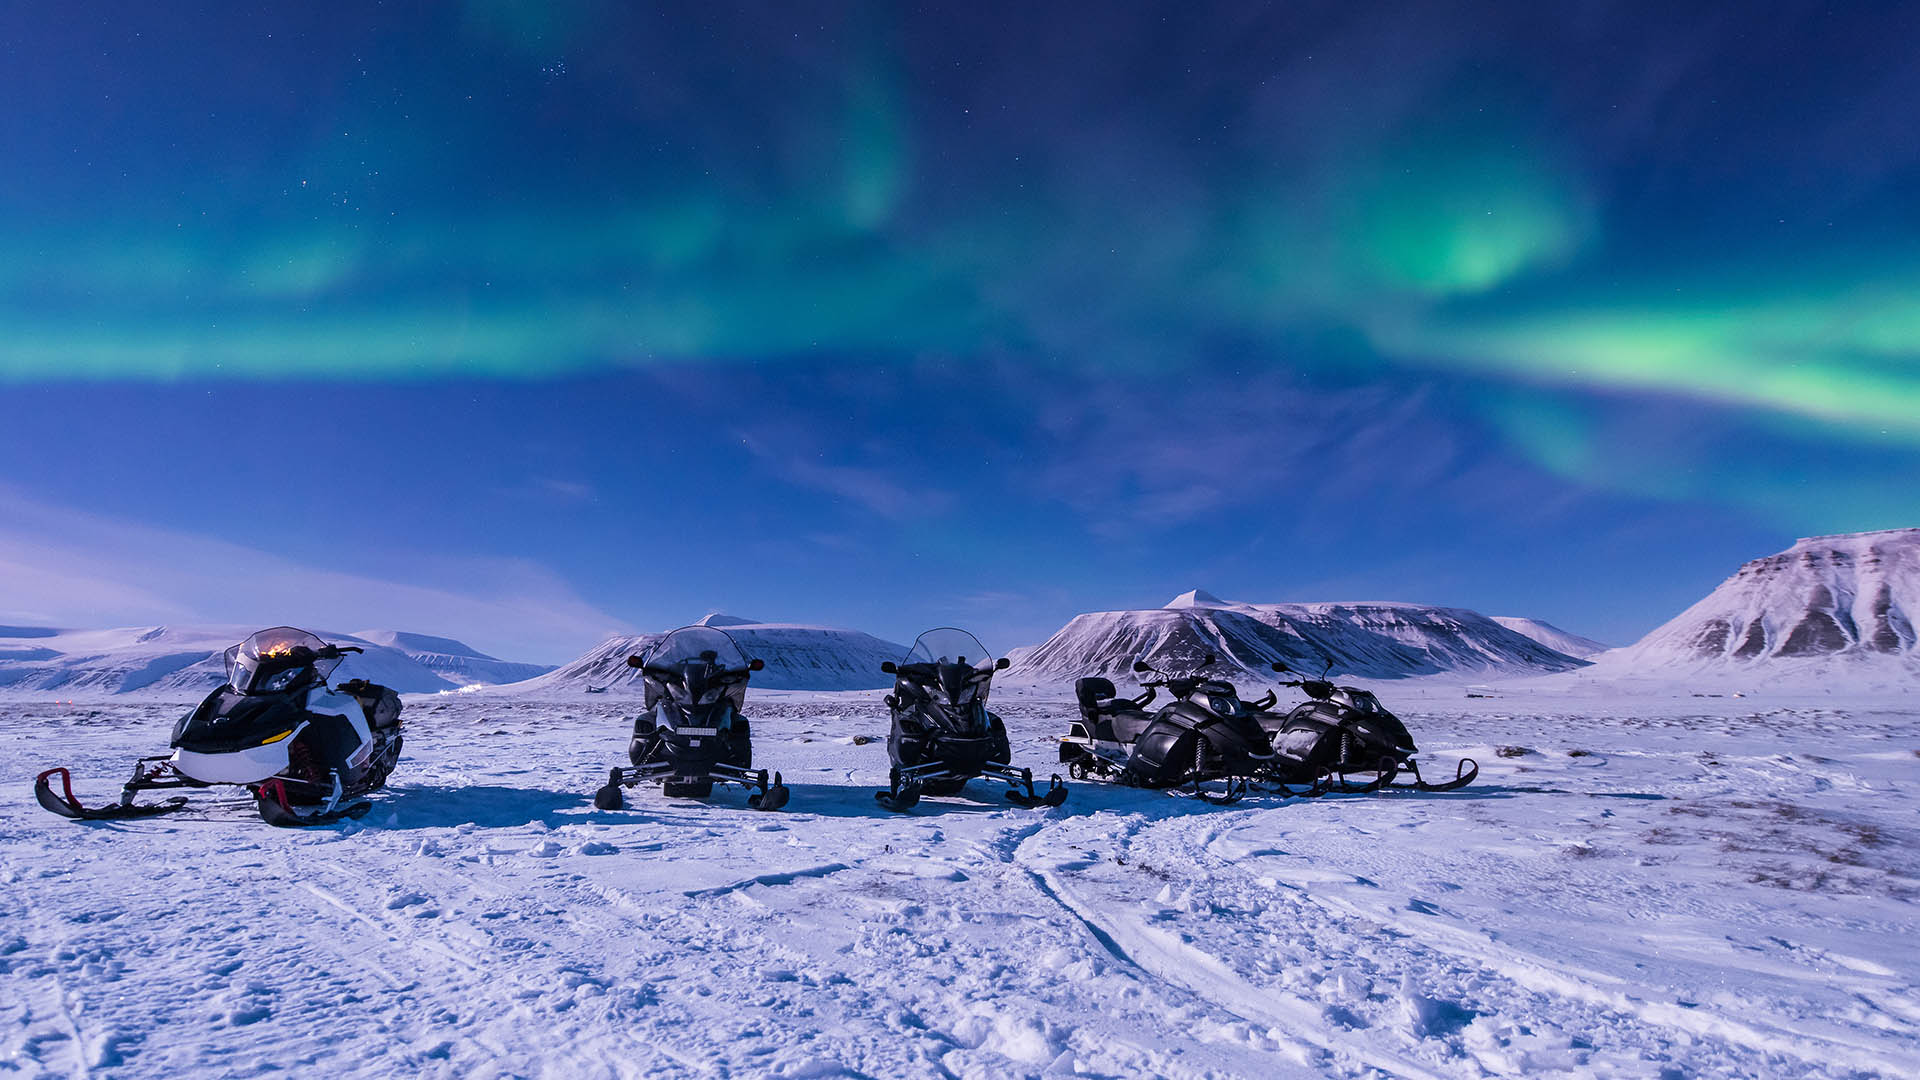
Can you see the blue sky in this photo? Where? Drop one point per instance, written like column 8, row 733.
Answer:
column 522, row 323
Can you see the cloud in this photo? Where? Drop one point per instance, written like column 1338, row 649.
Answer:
column 72, row 568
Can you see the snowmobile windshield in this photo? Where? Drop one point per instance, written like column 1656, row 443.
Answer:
column 1362, row 700
column 279, row 659
column 1221, row 697
column 951, row 660
column 697, row 661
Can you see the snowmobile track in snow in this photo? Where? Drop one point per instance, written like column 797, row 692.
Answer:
column 1688, row 895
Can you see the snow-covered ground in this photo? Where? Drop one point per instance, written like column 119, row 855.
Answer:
column 1661, row 886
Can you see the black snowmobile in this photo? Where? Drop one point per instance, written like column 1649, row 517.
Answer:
column 307, row 752
column 692, row 733
column 943, row 735
column 1205, row 736
column 1344, row 732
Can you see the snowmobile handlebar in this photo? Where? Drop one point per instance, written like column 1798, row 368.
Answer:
column 333, row 651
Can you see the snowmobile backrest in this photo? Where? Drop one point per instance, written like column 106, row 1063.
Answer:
column 1091, row 691
column 380, row 703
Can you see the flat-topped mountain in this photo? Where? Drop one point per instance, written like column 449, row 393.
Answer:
column 1367, row 640
column 797, row 657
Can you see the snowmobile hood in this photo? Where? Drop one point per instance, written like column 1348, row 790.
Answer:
column 246, row 766
column 229, row 721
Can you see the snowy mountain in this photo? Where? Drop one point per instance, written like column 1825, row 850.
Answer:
column 1366, row 640
column 188, row 661
column 455, row 661
column 1853, row 596
column 797, row 657
column 1553, row 637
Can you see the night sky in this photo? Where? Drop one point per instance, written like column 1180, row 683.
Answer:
column 521, row 322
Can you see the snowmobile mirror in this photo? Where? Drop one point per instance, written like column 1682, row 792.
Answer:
column 1278, row 666
column 1142, row 665
column 635, row 661
column 755, row 664
column 1208, row 662
column 1001, row 664
column 888, row 667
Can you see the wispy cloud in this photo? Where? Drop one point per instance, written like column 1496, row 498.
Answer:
column 69, row 567
column 877, row 488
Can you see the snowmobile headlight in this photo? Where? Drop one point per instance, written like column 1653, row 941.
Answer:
column 1225, row 704
column 711, row 694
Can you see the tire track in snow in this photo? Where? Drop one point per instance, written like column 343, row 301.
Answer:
column 1609, row 992
column 1166, row 958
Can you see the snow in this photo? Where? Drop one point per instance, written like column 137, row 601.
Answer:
column 1561, row 641
column 1655, row 885
column 1379, row 639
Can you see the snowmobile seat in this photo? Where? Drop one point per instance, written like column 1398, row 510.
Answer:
column 380, row 703
column 1100, row 701
column 1092, row 691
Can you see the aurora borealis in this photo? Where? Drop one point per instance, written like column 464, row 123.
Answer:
column 1425, row 300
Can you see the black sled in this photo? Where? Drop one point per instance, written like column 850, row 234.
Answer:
column 1206, row 741
column 693, row 735
column 307, row 753
column 942, row 734
column 1343, row 740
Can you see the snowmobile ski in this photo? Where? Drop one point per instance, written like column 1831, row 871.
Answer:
column 279, row 811
column 68, row 806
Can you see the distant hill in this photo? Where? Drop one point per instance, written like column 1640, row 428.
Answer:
column 1367, row 640
column 1552, row 636
column 797, row 657
column 189, row 661
column 1852, row 597
column 455, row 661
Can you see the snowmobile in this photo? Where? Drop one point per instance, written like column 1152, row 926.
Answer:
column 943, row 735
column 1344, row 731
column 693, row 733
column 307, row 752
column 1205, row 736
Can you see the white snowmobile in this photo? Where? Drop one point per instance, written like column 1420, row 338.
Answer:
column 307, row 752
column 693, row 733
column 943, row 735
